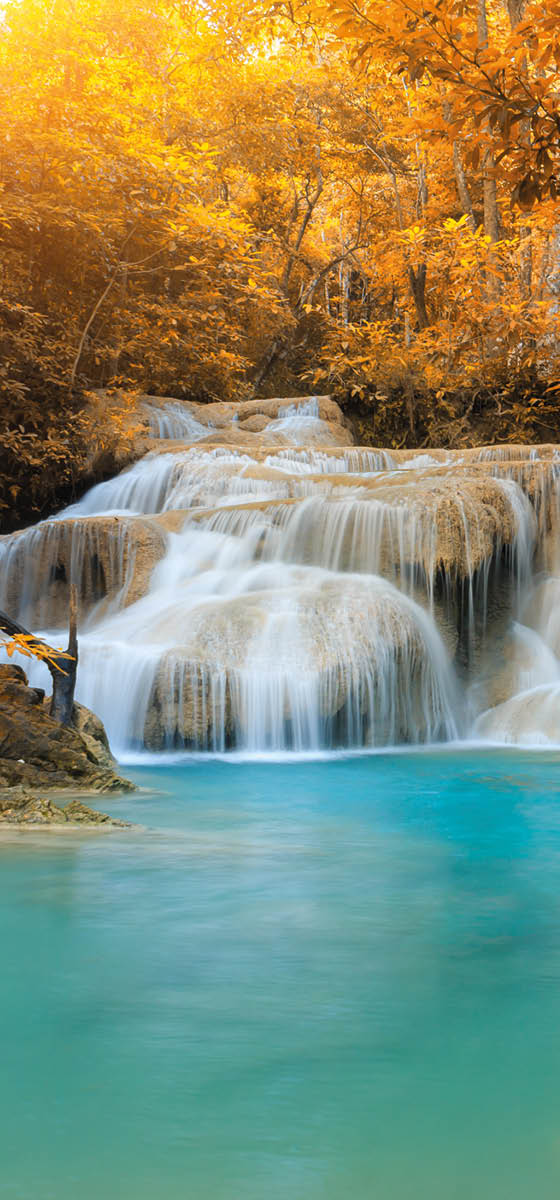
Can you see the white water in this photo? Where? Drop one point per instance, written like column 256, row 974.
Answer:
column 175, row 420
column 292, row 604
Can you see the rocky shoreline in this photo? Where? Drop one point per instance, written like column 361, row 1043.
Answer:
column 38, row 755
column 20, row 808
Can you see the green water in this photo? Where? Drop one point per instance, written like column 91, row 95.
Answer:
column 316, row 980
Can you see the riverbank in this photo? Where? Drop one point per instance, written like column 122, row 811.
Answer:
column 38, row 756
column 22, row 810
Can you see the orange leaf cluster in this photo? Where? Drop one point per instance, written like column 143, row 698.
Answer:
column 203, row 199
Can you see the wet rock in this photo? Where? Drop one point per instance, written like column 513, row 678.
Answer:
column 77, row 813
column 109, row 558
column 20, row 807
column 531, row 718
column 92, row 731
column 303, row 650
column 36, row 751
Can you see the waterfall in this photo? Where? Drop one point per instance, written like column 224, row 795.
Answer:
column 142, row 489
column 265, row 586
column 175, row 420
column 225, row 652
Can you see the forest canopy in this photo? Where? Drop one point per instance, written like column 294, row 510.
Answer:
column 212, row 200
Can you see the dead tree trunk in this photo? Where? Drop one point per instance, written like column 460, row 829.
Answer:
column 62, row 666
column 64, row 679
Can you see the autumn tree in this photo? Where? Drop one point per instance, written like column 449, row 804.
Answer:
column 214, row 199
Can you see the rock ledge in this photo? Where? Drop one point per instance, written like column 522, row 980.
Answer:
column 38, row 753
column 18, row 807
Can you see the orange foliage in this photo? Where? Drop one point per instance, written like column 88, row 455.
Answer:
column 205, row 198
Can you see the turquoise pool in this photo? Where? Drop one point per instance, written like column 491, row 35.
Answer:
column 312, row 981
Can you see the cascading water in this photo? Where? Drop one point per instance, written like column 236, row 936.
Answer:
column 274, row 588
column 175, row 421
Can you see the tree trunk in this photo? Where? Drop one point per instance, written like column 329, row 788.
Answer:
column 64, row 679
column 344, row 293
column 263, row 371
column 491, row 212
column 62, row 667
column 311, row 200
column 460, row 177
column 280, row 345
column 515, row 11
column 417, row 279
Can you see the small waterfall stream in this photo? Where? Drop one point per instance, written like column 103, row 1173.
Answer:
column 264, row 585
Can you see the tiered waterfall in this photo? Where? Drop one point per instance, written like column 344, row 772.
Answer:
column 257, row 582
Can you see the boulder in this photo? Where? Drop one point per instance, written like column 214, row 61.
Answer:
column 306, row 650
column 18, row 807
column 531, row 718
column 35, row 751
column 92, row 730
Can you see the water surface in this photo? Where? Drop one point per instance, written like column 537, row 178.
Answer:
column 317, row 980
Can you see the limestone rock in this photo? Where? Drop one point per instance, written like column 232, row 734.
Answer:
column 77, row 813
column 255, row 424
column 36, row 751
column 305, row 646
column 109, row 558
column 92, row 730
column 19, row 807
column 531, row 718
column 263, row 421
